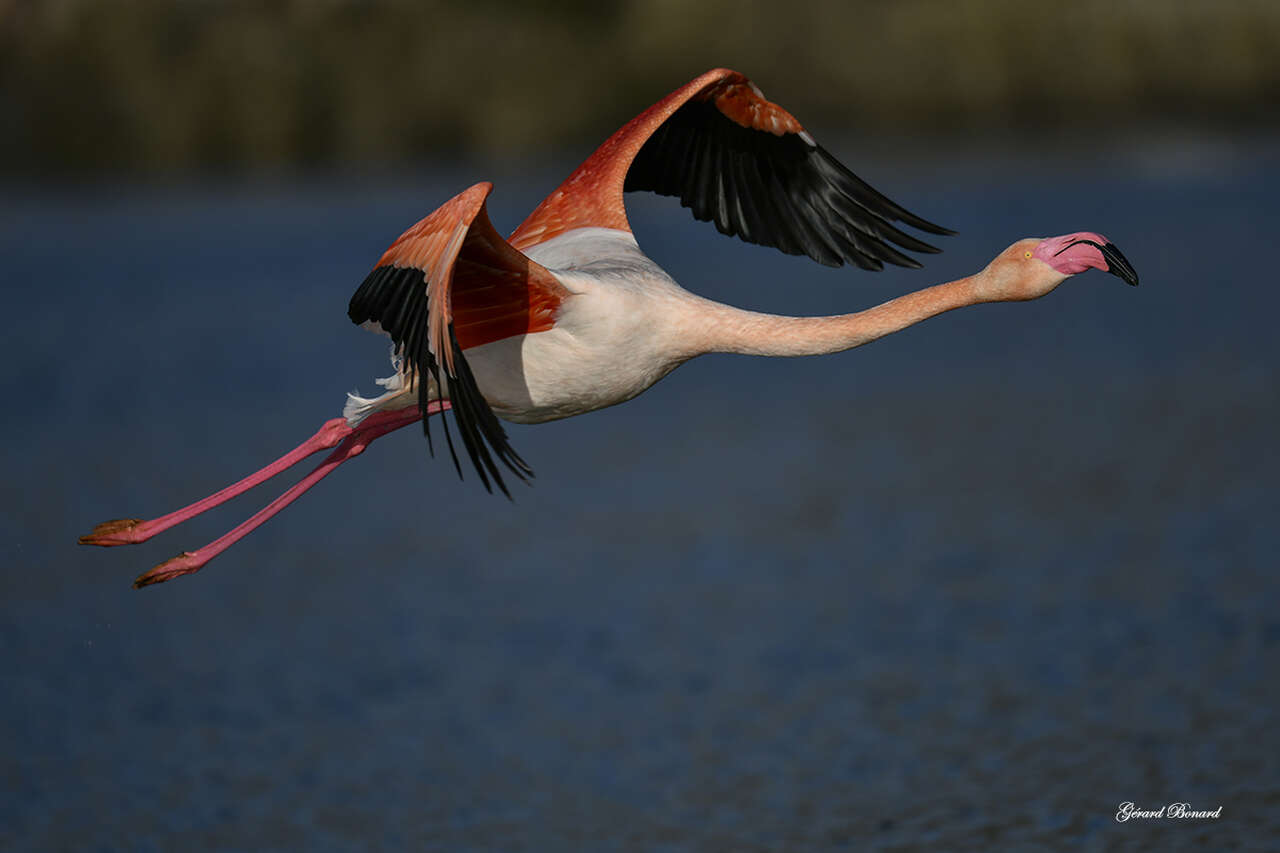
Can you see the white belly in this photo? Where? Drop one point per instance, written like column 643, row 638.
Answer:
column 595, row 356
column 612, row 339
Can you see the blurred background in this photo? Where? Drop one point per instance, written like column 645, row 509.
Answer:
column 970, row 588
column 171, row 86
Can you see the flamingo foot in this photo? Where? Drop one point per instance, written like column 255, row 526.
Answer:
column 117, row 531
column 175, row 567
column 345, row 442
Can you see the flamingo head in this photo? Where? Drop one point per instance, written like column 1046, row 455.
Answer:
column 1083, row 250
column 1031, row 268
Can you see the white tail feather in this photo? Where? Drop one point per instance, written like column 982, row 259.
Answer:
column 358, row 408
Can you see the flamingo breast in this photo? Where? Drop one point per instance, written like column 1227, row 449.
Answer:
column 613, row 337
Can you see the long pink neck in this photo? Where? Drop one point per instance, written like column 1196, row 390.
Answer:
column 723, row 328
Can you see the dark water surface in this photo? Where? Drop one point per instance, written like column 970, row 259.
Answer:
column 970, row 588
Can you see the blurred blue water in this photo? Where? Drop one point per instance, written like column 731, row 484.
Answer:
column 969, row 588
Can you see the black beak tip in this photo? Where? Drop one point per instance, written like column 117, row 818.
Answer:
column 1118, row 265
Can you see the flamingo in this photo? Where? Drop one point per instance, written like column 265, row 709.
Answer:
column 568, row 315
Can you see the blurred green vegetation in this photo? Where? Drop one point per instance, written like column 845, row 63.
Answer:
column 157, row 86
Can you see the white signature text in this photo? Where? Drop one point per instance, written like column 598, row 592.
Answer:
column 1129, row 811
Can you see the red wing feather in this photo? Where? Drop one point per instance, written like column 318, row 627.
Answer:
column 739, row 100
column 450, row 283
column 475, row 280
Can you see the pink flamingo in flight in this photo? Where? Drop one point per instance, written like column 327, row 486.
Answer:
column 568, row 315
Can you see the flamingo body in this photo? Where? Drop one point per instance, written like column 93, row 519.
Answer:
column 568, row 315
column 616, row 334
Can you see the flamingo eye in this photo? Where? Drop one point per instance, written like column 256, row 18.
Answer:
column 1026, row 254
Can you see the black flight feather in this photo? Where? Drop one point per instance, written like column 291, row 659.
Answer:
column 396, row 299
column 778, row 191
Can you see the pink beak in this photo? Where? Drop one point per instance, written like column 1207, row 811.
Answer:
column 1074, row 253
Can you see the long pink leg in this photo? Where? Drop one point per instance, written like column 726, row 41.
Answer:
column 130, row 531
column 373, row 427
column 350, row 442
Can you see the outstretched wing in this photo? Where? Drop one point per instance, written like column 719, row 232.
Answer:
column 744, row 163
column 447, row 284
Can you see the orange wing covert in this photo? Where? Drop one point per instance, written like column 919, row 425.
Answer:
column 450, row 283
column 741, row 101
column 592, row 195
column 475, row 279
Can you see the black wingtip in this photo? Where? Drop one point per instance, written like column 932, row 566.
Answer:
column 874, row 200
column 783, row 191
column 924, row 224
